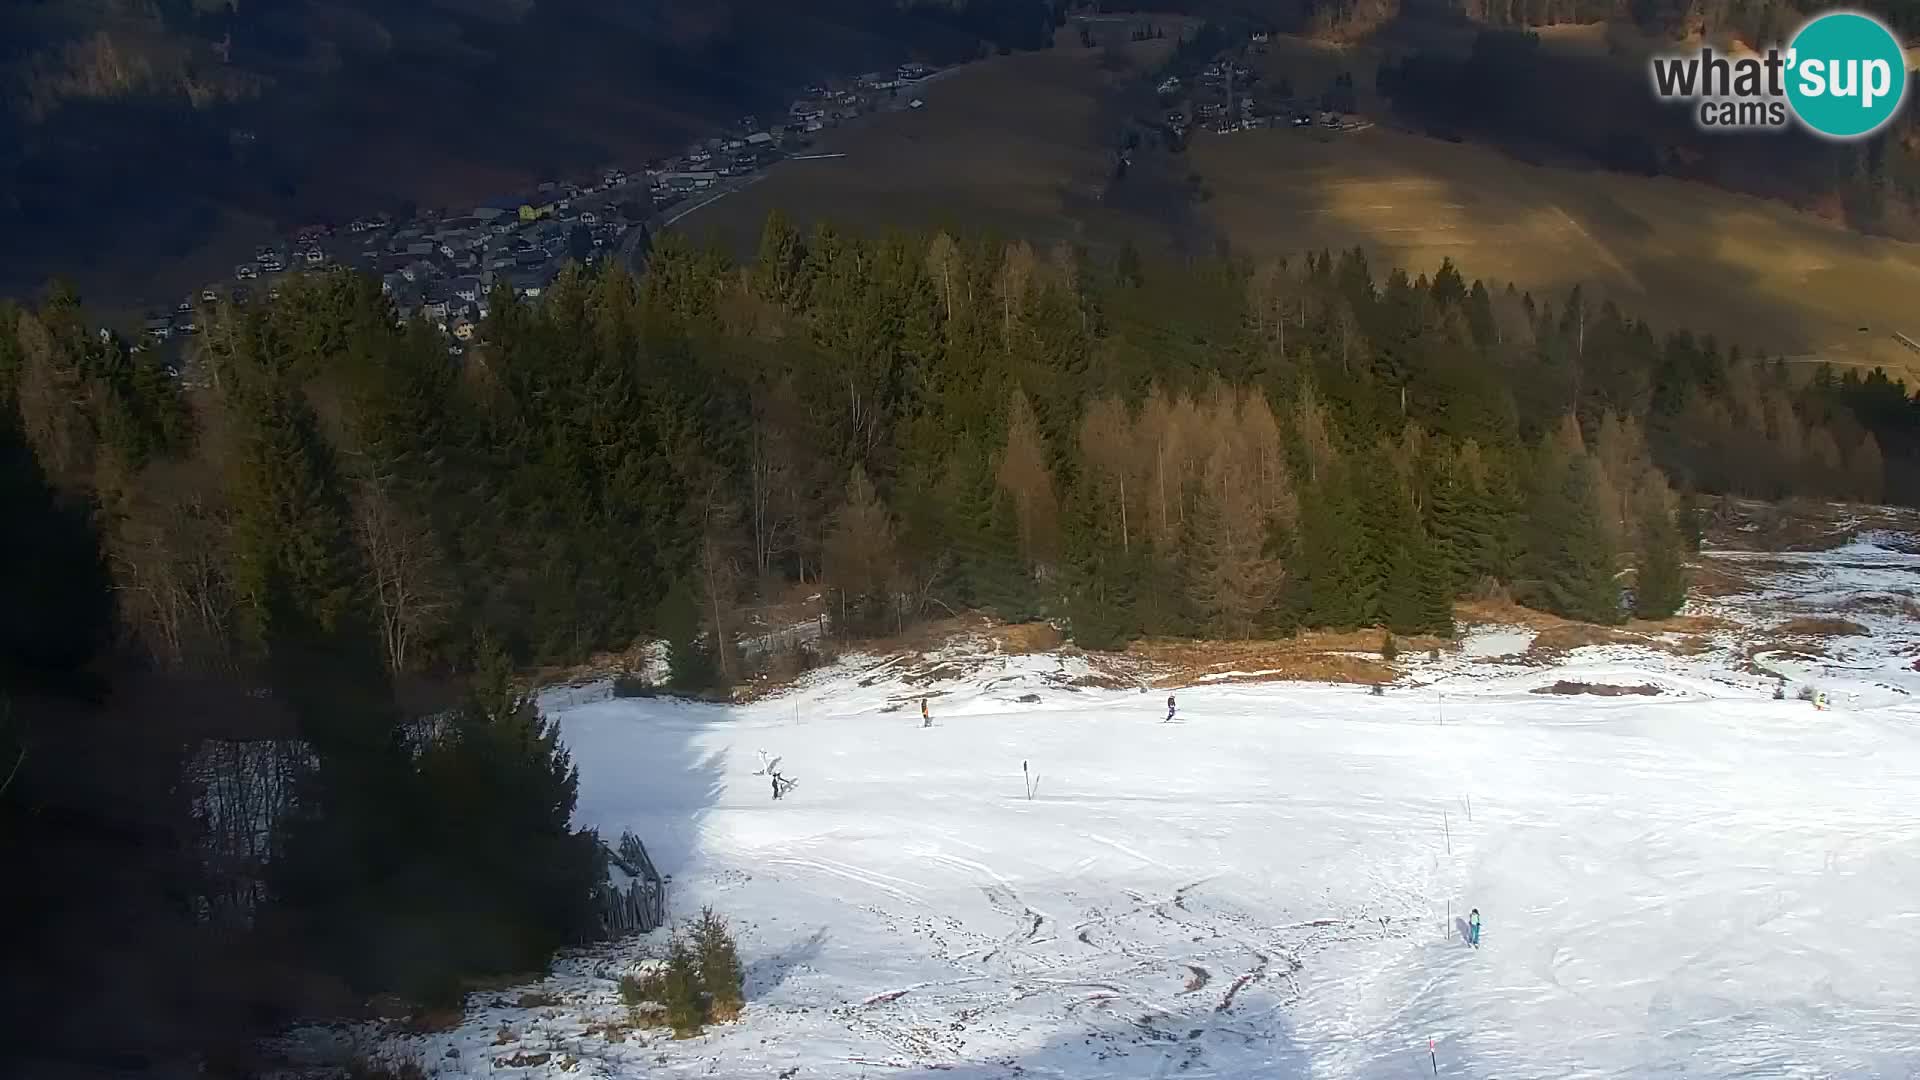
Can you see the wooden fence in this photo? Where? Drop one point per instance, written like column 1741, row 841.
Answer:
column 639, row 904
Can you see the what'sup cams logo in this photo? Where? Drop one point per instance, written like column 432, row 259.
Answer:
column 1843, row 76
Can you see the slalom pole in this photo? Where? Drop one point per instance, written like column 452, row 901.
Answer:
column 1434, row 1057
column 1444, row 824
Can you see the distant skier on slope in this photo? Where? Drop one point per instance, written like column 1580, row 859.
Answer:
column 1473, row 928
column 1170, row 710
column 926, row 719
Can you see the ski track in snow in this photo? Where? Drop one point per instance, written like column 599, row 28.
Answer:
column 1707, row 882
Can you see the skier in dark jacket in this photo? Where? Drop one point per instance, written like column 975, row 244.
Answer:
column 1169, row 718
column 925, row 719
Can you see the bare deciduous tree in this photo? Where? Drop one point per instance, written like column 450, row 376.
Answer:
column 1017, row 272
column 945, row 267
column 404, row 567
column 1024, row 474
column 1270, row 289
column 1234, row 579
column 859, row 557
column 53, row 398
column 719, row 573
column 1107, row 442
column 167, row 547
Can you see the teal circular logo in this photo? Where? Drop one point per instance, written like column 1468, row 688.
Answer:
column 1847, row 74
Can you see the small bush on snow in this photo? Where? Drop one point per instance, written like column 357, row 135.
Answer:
column 686, row 1011
column 720, row 973
column 638, row 992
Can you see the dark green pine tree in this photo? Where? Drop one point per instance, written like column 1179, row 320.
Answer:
column 776, row 273
column 984, row 537
column 1570, row 557
column 517, row 881
column 1402, row 599
column 1003, row 583
column 1338, row 581
column 690, row 664
column 1690, row 520
column 1496, row 513
column 1436, row 589
column 1660, row 583
column 1388, row 577
column 297, row 572
column 358, row 824
column 1453, row 524
column 59, row 611
column 1101, row 578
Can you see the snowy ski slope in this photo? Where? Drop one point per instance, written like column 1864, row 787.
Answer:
column 1706, row 882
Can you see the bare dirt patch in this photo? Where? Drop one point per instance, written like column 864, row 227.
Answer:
column 1900, row 605
column 1568, row 687
column 1798, row 524
column 1320, row 656
column 1820, row 626
column 1033, row 637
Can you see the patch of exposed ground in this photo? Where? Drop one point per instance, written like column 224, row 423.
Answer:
column 1316, row 656
column 1820, row 626
column 1798, row 524
column 1900, row 604
column 1568, row 687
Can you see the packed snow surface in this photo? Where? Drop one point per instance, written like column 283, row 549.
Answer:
column 1052, row 882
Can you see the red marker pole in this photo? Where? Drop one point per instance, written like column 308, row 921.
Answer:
column 1433, row 1057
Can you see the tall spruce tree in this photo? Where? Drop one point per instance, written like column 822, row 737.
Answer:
column 517, row 880
column 1101, row 577
column 1660, row 585
column 1570, row 559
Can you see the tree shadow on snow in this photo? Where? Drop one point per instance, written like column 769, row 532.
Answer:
column 767, row 973
column 1196, row 1042
column 643, row 768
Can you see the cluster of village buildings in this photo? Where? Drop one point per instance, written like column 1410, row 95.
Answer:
column 442, row 265
column 1227, row 96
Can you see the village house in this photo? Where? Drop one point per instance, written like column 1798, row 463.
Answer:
column 689, row 181
column 528, row 282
